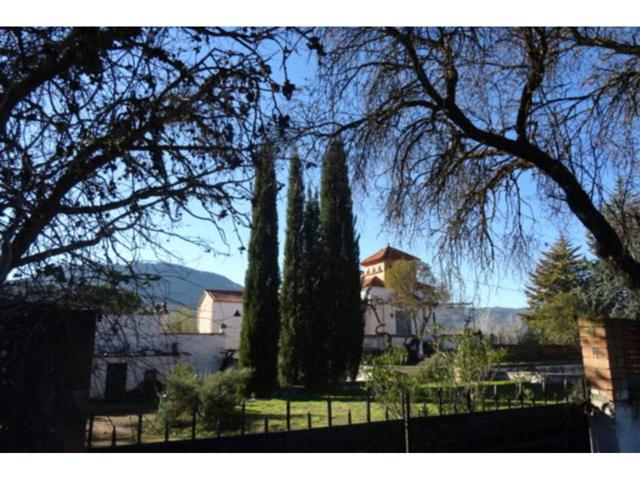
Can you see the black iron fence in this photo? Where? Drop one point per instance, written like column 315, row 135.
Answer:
column 248, row 420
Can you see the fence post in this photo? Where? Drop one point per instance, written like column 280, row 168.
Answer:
column 509, row 403
column 309, row 419
column 113, row 436
column 484, row 407
column 288, row 416
column 90, row 436
column 242, row 417
column 469, row 404
column 495, row 396
column 564, row 387
column 266, row 424
column 368, row 408
column 521, row 398
column 139, row 434
column 425, row 412
column 329, row 422
column 406, row 421
column 193, row 423
column 349, row 416
column 166, row 431
column 386, row 413
column 440, row 401
column 544, row 391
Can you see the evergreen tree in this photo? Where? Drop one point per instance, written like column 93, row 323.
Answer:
column 314, row 342
column 260, row 325
column 553, row 293
column 340, row 285
column 291, row 332
column 605, row 293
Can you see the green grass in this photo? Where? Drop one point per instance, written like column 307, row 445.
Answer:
column 345, row 399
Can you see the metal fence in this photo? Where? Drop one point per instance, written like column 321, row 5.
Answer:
column 144, row 427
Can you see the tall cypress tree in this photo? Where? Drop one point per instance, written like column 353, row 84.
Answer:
column 261, row 322
column 314, row 342
column 340, row 271
column 291, row 332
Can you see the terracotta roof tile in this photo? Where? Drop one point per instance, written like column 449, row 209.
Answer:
column 387, row 253
column 225, row 296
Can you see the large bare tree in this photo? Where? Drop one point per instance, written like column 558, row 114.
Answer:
column 463, row 120
column 109, row 136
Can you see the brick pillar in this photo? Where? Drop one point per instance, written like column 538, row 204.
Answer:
column 611, row 359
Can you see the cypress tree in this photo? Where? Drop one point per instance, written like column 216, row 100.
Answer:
column 260, row 325
column 291, row 318
column 340, row 272
column 314, row 347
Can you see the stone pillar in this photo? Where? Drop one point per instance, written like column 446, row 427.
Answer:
column 611, row 358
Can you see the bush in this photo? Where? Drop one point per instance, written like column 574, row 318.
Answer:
column 388, row 384
column 214, row 396
column 220, row 393
column 180, row 397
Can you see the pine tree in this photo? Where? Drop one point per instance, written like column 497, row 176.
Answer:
column 314, row 346
column 553, row 294
column 559, row 270
column 340, row 283
column 260, row 325
column 291, row 333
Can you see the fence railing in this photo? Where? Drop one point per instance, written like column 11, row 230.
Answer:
column 259, row 416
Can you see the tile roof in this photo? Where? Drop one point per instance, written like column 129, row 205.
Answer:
column 387, row 253
column 225, row 296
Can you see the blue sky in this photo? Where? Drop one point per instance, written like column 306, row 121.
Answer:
column 502, row 287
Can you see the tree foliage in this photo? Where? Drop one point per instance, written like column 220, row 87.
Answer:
column 108, row 136
column 462, row 120
column 314, row 351
column 261, row 317
column 292, row 310
column 340, row 273
column 415, row 290
column 553, row 294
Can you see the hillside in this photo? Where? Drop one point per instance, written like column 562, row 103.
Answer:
column 179, row 285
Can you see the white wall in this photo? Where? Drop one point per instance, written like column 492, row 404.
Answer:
column 141, row 342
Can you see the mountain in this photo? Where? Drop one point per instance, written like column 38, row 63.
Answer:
column 178, row 285
column 501, row 321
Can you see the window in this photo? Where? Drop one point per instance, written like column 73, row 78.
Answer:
column 403, row 323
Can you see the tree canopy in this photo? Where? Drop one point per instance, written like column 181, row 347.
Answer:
column 108, row 136
column 461, row 120
column 554, row 293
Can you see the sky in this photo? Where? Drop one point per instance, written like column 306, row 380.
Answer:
column 503, row 287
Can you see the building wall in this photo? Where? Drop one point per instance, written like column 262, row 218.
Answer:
column 205, row 314
column 140, row 341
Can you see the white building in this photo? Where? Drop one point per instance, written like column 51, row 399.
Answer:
column 132, row 352
column 383, row 321
column 220, row 311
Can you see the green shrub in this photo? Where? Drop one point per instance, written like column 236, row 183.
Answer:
column 180, row 397
column 387, row 383
column 220, row 393
column 214, row 396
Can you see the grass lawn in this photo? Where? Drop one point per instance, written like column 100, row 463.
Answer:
column 345, row 399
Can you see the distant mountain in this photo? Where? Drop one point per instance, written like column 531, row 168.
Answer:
column 178, row 285
column 497, row 320
column 500, row 320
